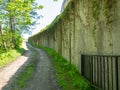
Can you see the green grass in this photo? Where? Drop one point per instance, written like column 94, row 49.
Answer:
column 67, row 75
column 9, row 56
column 22, row 79
column 24, row 76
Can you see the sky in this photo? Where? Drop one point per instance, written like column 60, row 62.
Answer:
column 49, row 12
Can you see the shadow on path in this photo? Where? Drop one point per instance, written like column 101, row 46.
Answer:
column 44, row 76
column 11, row 71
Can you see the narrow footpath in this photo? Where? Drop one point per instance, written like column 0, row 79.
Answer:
column 43, row 78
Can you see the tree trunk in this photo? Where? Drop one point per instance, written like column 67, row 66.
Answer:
column 11, row 22
column 2, row 37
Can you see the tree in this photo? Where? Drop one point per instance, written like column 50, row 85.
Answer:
column 2, row 16
column 18, row 16
column 2, row 38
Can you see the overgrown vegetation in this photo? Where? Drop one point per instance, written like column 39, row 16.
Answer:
column 9, row 56
column 108, row 5
column 96, row 9
column 67, row 75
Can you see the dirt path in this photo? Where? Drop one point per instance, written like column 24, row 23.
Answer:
column 43, row 79
column 7, row 72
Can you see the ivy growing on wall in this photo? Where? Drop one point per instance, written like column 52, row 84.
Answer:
column 95, row 9
column 107, row 9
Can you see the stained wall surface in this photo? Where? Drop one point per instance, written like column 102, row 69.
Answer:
column 85, row 27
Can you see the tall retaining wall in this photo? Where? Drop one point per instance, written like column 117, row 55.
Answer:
column 90, row 27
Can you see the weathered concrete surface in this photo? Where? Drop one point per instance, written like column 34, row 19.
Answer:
column 84, row 27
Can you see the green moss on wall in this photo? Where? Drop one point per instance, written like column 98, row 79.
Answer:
column 109, row 4
column 96, row 9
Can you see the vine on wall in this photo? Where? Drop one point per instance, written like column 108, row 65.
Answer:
column 107, row 9
column 96, row 9
column 96, row 15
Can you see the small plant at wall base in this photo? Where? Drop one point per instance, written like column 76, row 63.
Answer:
column 67, row 75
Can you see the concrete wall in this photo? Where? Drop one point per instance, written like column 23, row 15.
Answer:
column 84, row 27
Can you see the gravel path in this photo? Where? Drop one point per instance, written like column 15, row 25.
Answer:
column 44, row 76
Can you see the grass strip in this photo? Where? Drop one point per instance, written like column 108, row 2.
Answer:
column 24, row 76
column 67, row 74
column 21, row 80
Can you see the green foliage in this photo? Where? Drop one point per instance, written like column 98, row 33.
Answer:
column 8, row 39
column 95, row 9
column 15, row 18
column 67, row 75
column 9, row 56
column 18, row 40
column 108, row 5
